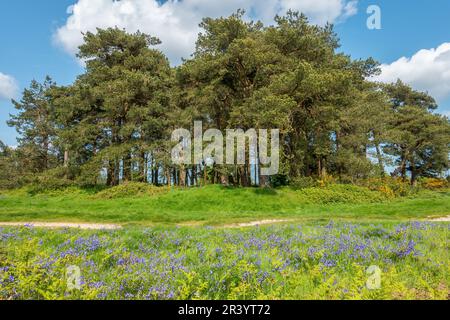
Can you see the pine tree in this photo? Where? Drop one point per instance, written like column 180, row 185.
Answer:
column 35, row 124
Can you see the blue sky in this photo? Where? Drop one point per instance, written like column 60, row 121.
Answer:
column 37, row 39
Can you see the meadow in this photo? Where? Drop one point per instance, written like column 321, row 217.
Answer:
column 183, row 243
column 303, row 261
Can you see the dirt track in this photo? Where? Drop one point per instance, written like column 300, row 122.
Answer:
column 52, row 225
column 100, row 226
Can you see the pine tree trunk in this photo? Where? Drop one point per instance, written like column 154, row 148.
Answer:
column 143, row 168
column 319, row 167
column 413, row 177
column 380, row 159
column 110, row 174
column 243, row 175
column 116, row 177
column 155, row 176
column 168, row 177
column 66, row 158
column 403, row 167
column 45, row 158
column 127, row 167
column 224, row 177
column 193, row 175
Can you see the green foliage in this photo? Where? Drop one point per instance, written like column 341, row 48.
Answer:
column 418, row 138
column 279, row 180
column 114, row 123
column 50, row 180
column 304, row 182
column 9, row 170
column 391, row 186
column 340, row 193
column 131, row 189
column 35, row 122
column 433, row 183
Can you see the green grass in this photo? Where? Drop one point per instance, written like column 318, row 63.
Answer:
column 215, row 205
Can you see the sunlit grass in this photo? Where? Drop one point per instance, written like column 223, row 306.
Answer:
column 219, row 205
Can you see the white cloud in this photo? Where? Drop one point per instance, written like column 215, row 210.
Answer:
column 321, row 12
column 427, row 70
column 8, row 86
column 176, row 22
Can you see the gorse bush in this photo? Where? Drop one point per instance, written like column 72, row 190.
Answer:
column 326, row 180
column 390, row 186
column 433, row 183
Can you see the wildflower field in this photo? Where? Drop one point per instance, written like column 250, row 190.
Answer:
column 333, row 260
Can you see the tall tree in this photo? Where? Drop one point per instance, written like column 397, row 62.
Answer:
column 410, row 118
column 35, row 124
column 120, row 104
column 420, row 141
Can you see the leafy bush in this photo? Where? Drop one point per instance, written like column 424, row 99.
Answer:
column 433, row 183
column 131, row 189
column 310, row 182
column 54, row 179
column 326, row 180
column 303, row 182
column 341, row 193
column 390, row 186
column 279, row 180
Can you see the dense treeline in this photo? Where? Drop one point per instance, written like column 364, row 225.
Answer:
column 114, row 123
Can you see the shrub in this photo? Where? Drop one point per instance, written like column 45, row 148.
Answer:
column 279, row 180
column 326, row 180
column 386, row 190
column 310, row 182
column 342, row 193
column 54, row 179
column 131, row 189
column 433, row 183
column 304, row 182
column 390, row 186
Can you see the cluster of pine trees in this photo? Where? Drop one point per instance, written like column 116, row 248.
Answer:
column 113, row 124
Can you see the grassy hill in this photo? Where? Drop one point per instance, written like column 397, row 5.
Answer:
column 215, row 205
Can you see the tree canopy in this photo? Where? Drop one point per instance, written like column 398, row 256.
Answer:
column 113, row 124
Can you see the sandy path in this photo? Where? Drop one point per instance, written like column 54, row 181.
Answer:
column 99, row 226
column 52, row 225
column 254, row 223
column 96, row 226
column 265, row 222
column 443, row 219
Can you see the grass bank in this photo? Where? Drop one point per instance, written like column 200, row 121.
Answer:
column 214, row 205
